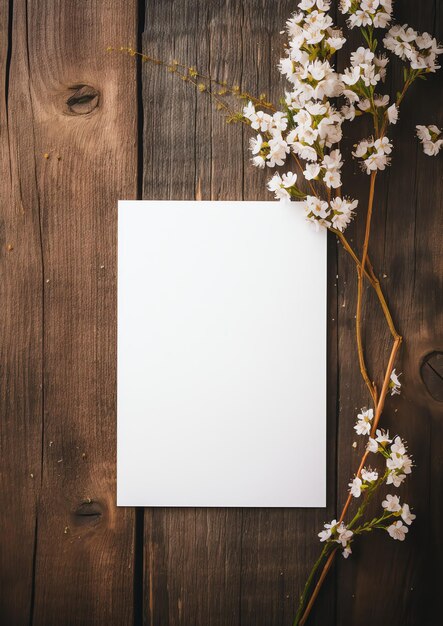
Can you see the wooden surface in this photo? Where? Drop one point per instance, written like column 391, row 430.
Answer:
column 80, row 128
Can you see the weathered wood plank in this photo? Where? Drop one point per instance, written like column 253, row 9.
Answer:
column 192, row 556
column 387, row 582
column 212, row 566
column 84, row 548
column 21, row 314
column 280, row 545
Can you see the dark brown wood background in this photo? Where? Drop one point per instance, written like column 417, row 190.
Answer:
column 67, row 554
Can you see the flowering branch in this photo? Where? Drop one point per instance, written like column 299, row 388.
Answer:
column 308, row 129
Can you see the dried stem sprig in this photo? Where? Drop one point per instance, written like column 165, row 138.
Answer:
column 200, row 79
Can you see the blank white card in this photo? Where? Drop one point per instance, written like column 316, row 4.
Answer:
column 221, row 355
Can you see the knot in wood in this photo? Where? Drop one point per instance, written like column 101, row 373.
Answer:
column 432, row 374
column 88, row 512
column 83, row 100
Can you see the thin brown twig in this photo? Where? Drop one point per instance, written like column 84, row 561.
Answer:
column 318, row 586
column 373, row 280
column 225, row 88
column 360, row 269
column 378, row 412
column 379, row 401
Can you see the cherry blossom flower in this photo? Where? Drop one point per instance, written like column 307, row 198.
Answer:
column 364, row 419
column 397, row 530
column 395, row 479
column 312, row 171
column 347, row 551
column 398, row 447
column 406, row 514
column 373, row 154
column 392, row 113
column 355, row 487
column 328, row 529
column 278, row 149
column 369, row 476
column 391, row 504
column 259, row 149
column 375, row 13
column 344, row 535
column 429, row 137
column 372, row 445
column 317, row 211
column 342, row 212
column 381, row 101
column 398, row 460
column 282, row 185
column 382, row 437
column 394, row 384
column 421, row 50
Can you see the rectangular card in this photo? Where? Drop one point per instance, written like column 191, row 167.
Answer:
column 221, row 355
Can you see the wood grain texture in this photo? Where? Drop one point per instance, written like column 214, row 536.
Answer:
column 209, row 566
column 72, row 159
column 387, row 582
column 278, row 545
column 80, row 128
column 21, row 317
column 192, row 556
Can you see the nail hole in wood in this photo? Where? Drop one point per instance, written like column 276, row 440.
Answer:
column 83, row 100
column 432, row 374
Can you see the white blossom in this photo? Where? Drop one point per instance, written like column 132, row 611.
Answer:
column 420, row 50
column 328, row 529
column 381, row 101
column 332, row 179
column 381, row 61
column 394, row 383
column 364, row 419
column 279, row 122
column 395, row 479
column 369, row 476
column 355, row 487
column 398, row 447
column 398, row 460
column 391, row 504
column 335, row 41
column 392, row 113
column 377, row 13
column 347, row 551
column 397, row 530
column 344, row 535
column 372, row 445
column 382, row 437
column 317, row 211
column 256, row 145
column 312, row 171
column 342, row 212
column 281, row 185
column 351, row 75
column 374, row 154
column 406, row 514
column 430, row 139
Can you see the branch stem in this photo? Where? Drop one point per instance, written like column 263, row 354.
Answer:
column 318, row 586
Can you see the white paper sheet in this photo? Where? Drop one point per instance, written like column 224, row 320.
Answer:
column 221, row 355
